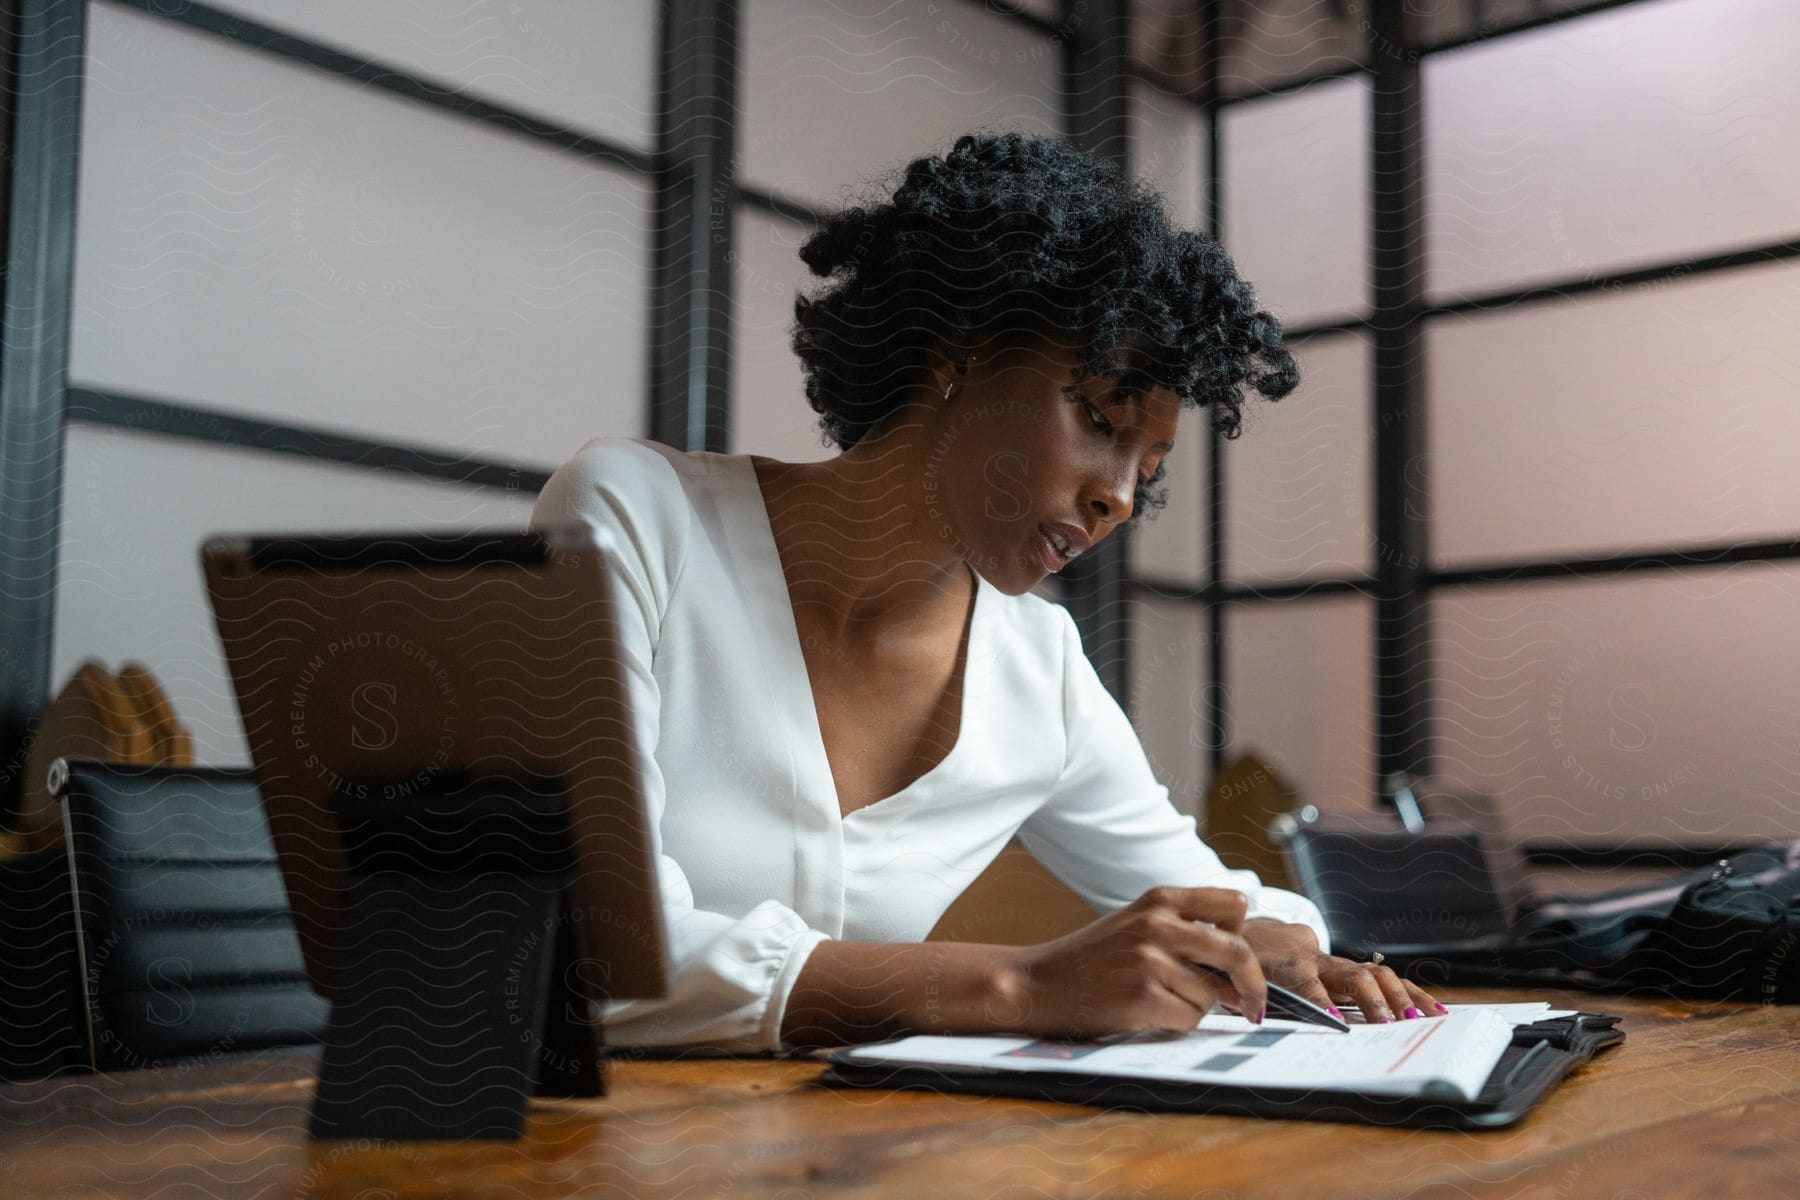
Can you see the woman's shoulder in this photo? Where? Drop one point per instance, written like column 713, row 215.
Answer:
column 621, row 460
column 633, row 487
column 631, row 468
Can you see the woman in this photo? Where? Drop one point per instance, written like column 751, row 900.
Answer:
column 849, row 700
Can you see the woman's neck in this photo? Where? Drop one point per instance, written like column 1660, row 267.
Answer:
column 863, row 564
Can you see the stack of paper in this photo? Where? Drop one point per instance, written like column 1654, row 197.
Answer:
column 1449, row 1055
column 1523, row 1013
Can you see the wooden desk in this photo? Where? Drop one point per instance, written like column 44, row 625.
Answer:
column 1702, row 1099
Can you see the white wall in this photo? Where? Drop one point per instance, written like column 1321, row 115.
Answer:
column 1626, row 138
column 1169, row 149
column 837, row 93
column 260, row 239
column 135, row 509
column 1298, row 501
column 1295, row 178
column 1640, row 418
column 1171, row 656
column 1649, row 417
column 769, row 412
column 1169, row 545
column 1609, row 422
column 1299, row 693
column 588, row 67
column 1650, row 707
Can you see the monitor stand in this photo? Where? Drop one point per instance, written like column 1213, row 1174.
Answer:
column 459, row 988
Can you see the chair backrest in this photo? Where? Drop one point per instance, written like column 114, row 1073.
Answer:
column 1442, row 800
column 1382, row 887
column 103, row 717
column 40, row 1032
column 1016, row 901
column 184, row 942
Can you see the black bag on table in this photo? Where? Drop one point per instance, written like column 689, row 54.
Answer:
column 1732, row 932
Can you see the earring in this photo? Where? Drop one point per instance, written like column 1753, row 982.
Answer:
column 965, row 364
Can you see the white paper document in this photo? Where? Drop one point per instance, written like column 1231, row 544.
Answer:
column 1435, row 1056
column 1521, row 1013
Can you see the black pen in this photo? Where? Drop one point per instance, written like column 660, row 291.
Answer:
column 1290, row 1006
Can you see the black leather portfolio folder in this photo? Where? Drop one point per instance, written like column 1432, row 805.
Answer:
column 1540, row 1055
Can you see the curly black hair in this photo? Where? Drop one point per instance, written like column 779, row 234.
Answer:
column 1017, row 237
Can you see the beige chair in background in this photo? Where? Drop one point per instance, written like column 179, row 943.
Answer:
column 1018, row 902
column 1015, row 902
column 1245, row 796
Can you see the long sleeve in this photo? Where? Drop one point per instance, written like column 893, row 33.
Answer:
column 730, row 975
column 1108, row 829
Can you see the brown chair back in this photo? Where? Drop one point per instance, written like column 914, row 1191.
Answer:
column 1246, row 795
column 1015, row 902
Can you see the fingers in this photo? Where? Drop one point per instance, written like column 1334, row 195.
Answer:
column 1223, row 907
column 1427, row 1004
column 1196, row 992
column 1191, row 942
column 1381, row 994
column 1361, row 989
column 1313, row 989
column 1393, row 991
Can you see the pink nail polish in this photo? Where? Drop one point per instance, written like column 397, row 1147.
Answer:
column 1262, row 1015
column 1412, row 1012
column 1387, row 1020
column 1332, row 1009
column 1440, row 1007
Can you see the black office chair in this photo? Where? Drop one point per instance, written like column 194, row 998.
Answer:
column 39, row 1031
column 184, row 944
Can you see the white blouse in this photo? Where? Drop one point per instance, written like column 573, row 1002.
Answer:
column 757, row 863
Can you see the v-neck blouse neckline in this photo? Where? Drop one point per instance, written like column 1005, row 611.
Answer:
column 792, row 683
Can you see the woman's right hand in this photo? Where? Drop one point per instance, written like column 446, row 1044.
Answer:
column 1132, row 970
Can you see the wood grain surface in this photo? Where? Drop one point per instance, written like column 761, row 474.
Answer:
column 1702, row 1099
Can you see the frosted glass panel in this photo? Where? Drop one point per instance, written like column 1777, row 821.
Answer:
column 769, row 412
column 135, row 509
column 1299, row 694
column 837, row 91
column 1646, row 708
column 1261, row 44
column 1274, row 41
column 590, row 67
column 1641, row 135
column 259, row 238
column 1168, row 147
column 1297, row 501
column 1651, row 418
column 1441, row 21
column 1170, row 661
column 1169, row 545
column 1295, row 170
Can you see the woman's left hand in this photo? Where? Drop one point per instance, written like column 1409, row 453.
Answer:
column 1289, row 955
